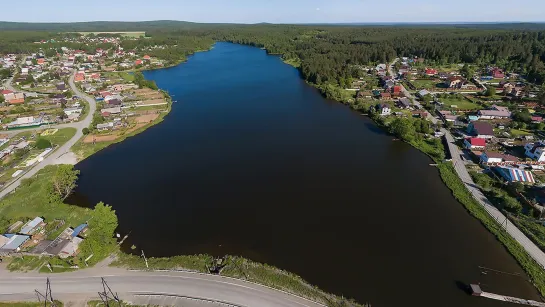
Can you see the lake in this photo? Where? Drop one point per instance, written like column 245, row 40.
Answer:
column 254, row 162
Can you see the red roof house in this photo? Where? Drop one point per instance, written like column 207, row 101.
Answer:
column 475, row 143
column 16, row 101
column 40, row 61
column 5, row 92
column 397, row 89
column 79, row 78
column 147, row 57
column 498, row 73
column 431, row 71
column 138, row 62
column 386, row 95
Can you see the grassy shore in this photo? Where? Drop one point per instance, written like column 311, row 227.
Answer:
column 239, row 268
column 84, row 150
column 460, row 192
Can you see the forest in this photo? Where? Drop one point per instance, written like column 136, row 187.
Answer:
column 328, row 53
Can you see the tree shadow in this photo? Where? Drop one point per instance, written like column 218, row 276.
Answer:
column 463, row 286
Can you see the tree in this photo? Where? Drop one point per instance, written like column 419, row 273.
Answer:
column 64, row 180
column 103, row 223
column 403, row 129
column 43, row 143
column 522, row 116
column 85, row 131
column 467, row 71
column 2, row 99
column 490, row 91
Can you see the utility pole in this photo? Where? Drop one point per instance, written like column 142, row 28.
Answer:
column 108, row 295
column 48, row 297
column 145, row 259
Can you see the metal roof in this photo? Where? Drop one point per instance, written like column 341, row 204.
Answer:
column 515, row 174
column 78, row 229
column 29, row 227
column 15, row 241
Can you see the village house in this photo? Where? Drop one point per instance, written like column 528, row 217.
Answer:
column 423, row 93
column 481, row 130
column 32, row 226
column 474, row 143
column 512, row 174
column 455, row 82
column 535, row 151
column 383, row 109
column 105, row 126
column 430, row 72
column 404, row 102
column 496, row 157
column 497, row 73
column 447, row 116
column 496, row 112
column 385, row 96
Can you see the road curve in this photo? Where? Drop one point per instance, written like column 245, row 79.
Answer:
column 135, row 286
column 64, row 149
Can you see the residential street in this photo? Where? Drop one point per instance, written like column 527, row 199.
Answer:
column 53, row 158
column 537, row 254
column 165, row 288
column 534, row 251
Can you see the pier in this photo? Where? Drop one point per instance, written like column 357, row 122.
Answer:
column 476, row 291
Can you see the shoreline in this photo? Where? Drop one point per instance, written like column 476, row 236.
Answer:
column 452, row 181
column 239, row 268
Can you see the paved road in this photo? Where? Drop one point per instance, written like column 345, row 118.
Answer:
column 405, row 92
column 9, row 81
column 537, row 254
column 177, row 288
column 53, row 158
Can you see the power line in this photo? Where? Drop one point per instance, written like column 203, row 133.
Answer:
column 48, row 297
column 108, row 295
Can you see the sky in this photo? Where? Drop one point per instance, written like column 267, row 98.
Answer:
column 275, row 11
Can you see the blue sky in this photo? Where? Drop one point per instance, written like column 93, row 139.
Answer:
column 275, row 11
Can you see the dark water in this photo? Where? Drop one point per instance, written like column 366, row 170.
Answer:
column 253, row 162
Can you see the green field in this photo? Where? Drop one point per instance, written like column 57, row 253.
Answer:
column 424, row 84
column 462, row 104
column 33, row 199
column 519, row 133
column 62, row 136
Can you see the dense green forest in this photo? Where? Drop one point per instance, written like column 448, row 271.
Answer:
column 327, row 53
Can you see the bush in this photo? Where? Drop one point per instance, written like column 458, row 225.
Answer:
column 42, row 143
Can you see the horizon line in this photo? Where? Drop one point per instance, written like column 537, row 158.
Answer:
column 291, row 23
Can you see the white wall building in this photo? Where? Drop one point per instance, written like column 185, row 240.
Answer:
column 535, row 151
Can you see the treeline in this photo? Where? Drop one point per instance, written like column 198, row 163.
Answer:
column 328, row 53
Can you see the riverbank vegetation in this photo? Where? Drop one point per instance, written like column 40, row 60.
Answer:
column 240, row 268
column 460, row 192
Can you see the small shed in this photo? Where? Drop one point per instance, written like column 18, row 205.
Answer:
column 475, row 290
column 15, row 241
column 3, row 240
column 81, row 228
column 31, row 226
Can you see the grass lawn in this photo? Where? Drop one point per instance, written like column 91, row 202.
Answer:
column 518, row 133
column 293, row 62
column 62, row 136
column 128, row 77
column 424, row 84
column 31, row 199
column 462, row 104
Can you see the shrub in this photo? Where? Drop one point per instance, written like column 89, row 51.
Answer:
column 42, row 143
